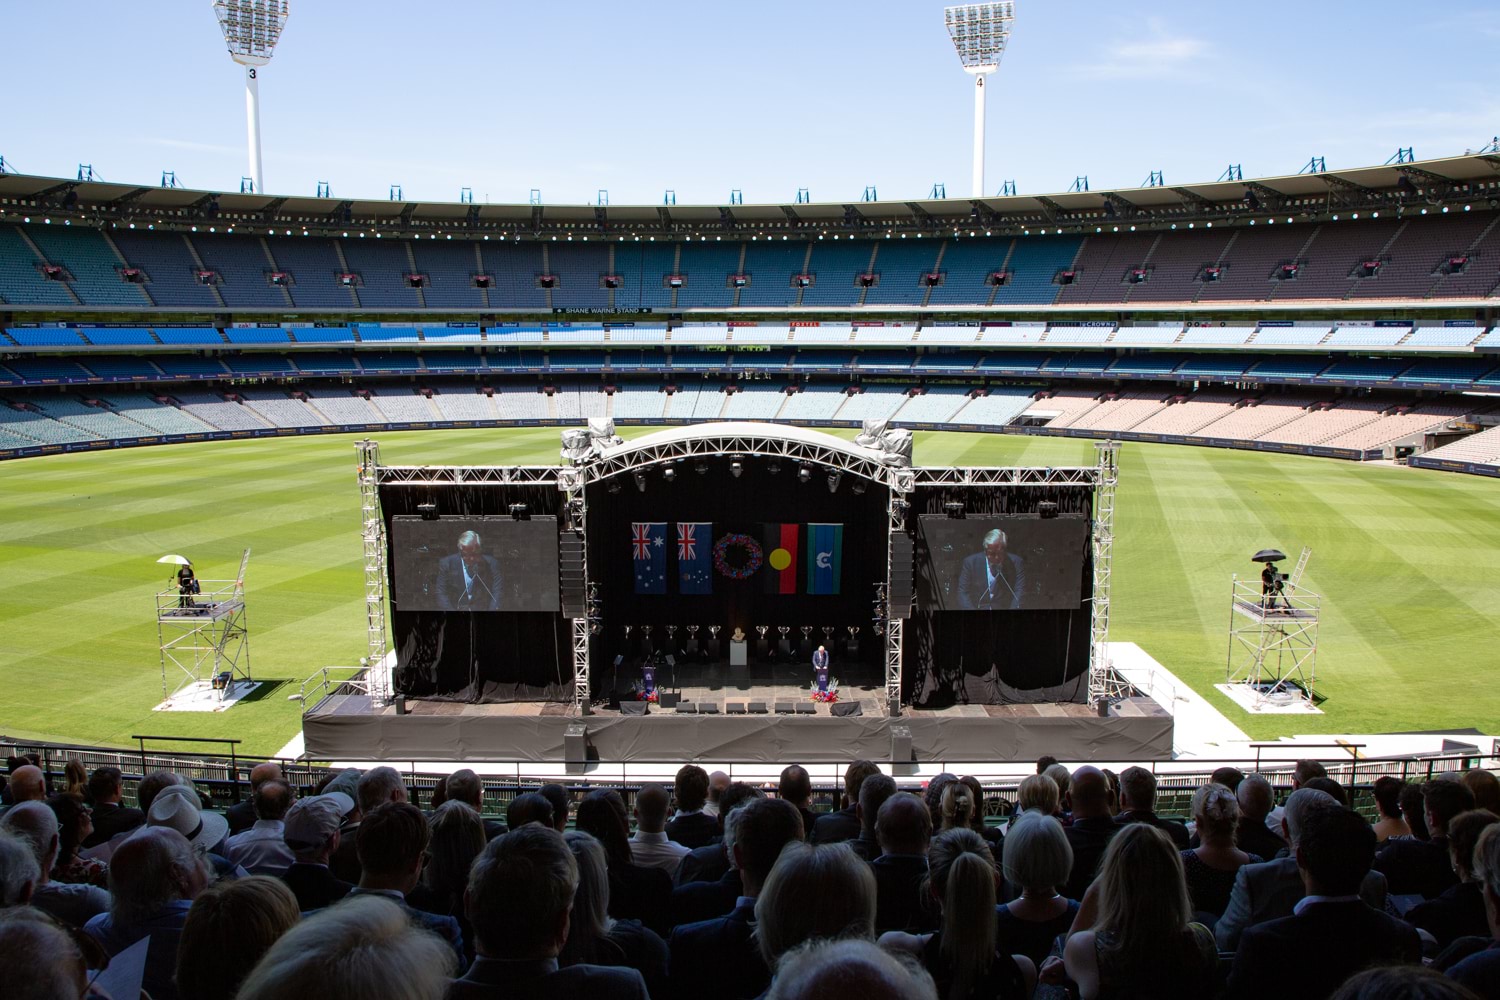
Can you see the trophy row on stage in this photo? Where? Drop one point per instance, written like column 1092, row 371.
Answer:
column 646, row 640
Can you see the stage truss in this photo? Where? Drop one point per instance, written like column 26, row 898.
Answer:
column 376, row 679
column 752, row 440
column 204, row 638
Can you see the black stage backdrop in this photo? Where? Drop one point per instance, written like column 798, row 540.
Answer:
column 478, row 656
column 734, row 505
column 994, row 658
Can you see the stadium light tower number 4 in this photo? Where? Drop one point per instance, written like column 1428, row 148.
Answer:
column 979, row 32
column 251, row 30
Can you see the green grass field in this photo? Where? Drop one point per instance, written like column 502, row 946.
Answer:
column 1408, row 563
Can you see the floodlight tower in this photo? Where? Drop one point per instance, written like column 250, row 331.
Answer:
column 979, row 32
column 251, row 30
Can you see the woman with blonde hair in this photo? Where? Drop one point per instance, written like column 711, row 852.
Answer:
column 230, row 926
column 814, row 891
column 1036, row 858
column 596, row 938
column 963, row 955
column 1142, row 940
column 958, row 807
column 1211, row 867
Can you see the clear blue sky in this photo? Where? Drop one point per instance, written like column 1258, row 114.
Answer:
column 767, row 96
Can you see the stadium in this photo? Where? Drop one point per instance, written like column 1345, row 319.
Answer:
column 1190, row 482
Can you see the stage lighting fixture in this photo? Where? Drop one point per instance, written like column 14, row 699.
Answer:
column 701, row 468
column 640, row 481
column 428, row 511
column 773, row 467
column 1046, row 510
column 834, row 478
column 669, row 473
column 804, row 473
column 858, row 487
column 736, row 468
column 520, row 512
column 954, row 509
column 613, row 487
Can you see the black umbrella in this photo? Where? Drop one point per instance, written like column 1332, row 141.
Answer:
column 1268, row 555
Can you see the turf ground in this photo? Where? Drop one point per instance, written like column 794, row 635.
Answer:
column 1408, row 563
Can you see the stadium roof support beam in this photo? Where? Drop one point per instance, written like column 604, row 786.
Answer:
column 667, row 223
column 1349, row 193
column 1193, row 198
column 1051, row 209
column 1267, row 195
column 1438, row 186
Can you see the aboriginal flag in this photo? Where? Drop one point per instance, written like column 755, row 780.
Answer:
column 780, row 569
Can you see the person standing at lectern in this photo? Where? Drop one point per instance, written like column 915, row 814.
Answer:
column 820, row 667
column 994, row 579
column 469, row 580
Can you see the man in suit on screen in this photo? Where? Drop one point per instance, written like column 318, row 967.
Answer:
column 469, row 580
column 994, row 579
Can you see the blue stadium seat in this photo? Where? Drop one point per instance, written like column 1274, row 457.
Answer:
column 256, row 335
column 118, row 335
column 94, row 266
column 324, row 362
column 243, row 270
column 189, row 335
column 21, row 281
column 46, row 336
column 171, row 272
column 187, row 365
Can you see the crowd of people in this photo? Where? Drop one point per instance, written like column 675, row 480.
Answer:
column 723, row 889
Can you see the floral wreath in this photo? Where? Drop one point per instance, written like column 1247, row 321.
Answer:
column 753, row 555
column 826, row 697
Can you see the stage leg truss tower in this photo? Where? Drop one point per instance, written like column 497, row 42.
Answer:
column 1104, row 683
column 372, row 536
column 204, row 638
column 570, row 481
column 1273, row 641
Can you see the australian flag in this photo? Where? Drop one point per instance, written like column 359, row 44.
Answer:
column 694, row 557
column 648, row 550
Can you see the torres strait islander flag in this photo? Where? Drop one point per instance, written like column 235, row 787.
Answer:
column 695, row 557
column 648, row 553
column 780, row 570
column 825, row 553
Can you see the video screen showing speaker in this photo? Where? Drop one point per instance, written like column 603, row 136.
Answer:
column 1000, row 562
column 474, row 564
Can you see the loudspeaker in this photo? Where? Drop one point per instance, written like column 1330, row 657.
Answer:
column 900, row 594
column 687, row 708
column 845, row 709
column 806, row 708
column 734, row 708
column 669, row 699
column 756, row 708
column 634, row 708
column 708, row 708
column 400, row 704
column 575, row 747
column 785, row 708
column 570, row 575
column 901, row 745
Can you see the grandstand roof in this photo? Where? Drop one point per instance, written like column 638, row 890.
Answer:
column 1426, row 183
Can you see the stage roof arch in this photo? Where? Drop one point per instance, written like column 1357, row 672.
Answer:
column 748, row 438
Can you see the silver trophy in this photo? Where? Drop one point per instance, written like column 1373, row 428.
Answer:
column 627, row 632
column 671, row 631
column 783, row 629
column 827, row 634
column 713, row 630
column 853, row 630
column 692, row 631
column 806, row 632
column 762, row 629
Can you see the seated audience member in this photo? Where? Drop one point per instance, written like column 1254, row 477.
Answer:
column 691, row 826
column 1092, row 827
column 1037, row 793
column 106, row 790
column 178, row 807
column 1423, row 866
column 710, row 863
column 392, row 845
column 873, row 792
column 849, row 970
column 1414, row 810
column 1459, row 911
column 241, row 815
column 1334, row 850
column 27, row 783
column 700, row 951
column 636, row 892
column 1142, row 941
column 965, row 956
column 19, row 874
column 651, row 846
column 596, row 938
column 361, row 948
column 694, row 901
column 464, row 786
column 1229, row 777
column 1486, row 789
column 228, row 928
column 813, row 893
column 904, row 830
column 74, row 824
column 1480, row 972
column 519, row 902
column 153, row 879
column 1251, row 834
column 1138, row 805
column 562, row 805
column 1401, row 982
column 718, row 781
column 57, row 969
column 1061, row 777
column 76, row 779
column 1388, row 808
column 843, row 823
column 1036, row 857
column 369, row 790
column 528, row 807
column 958, row 808
column 1267, row 891
column 1302, row 772
column 457, row 838
column 932, row 795
column 312, row 833
column 262, row 850
column 976, row 822
column 795, row 786
column 1333, row 788
column 1211, row 867
column 72, row 903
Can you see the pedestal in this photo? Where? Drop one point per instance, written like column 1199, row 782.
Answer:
column 739, row 653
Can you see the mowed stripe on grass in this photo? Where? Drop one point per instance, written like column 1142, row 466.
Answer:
column 1405, row 561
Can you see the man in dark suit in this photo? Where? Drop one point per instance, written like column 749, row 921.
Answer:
column 1252, row 835
column 699, row 898
column 691, row 826
column 519, row 901
column 992, row 579
column 241, row 815
column 468, row 580
column 843, row 824
column 1138, row 805
column 311, row 829
column 795, row 786
column 711, row 862
column 1423, row 867
column 392, row 845
column 904, row 829
column 701, row 953
column 873, row 792
column 1334, row 850
column 464, row 786
column 106, row 788
column 1092, row 827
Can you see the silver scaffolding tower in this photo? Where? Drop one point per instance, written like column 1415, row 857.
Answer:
column 375, row 680
column 204, row 638
column 1273, row 639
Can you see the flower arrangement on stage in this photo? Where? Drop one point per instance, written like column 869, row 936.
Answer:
column 748, row 562
column 639, row 692
column 826, row 697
